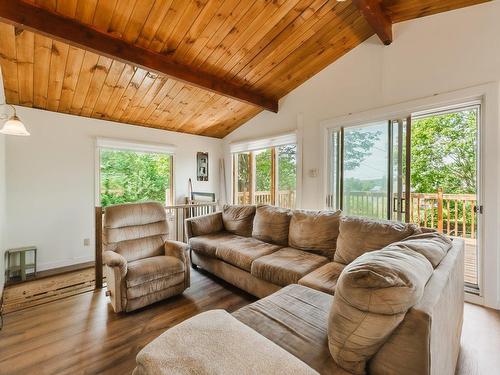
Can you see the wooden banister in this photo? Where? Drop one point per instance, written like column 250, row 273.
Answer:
column 98, row 247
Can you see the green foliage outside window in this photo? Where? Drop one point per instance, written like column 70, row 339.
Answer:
column 128, row 176
column 444, row 153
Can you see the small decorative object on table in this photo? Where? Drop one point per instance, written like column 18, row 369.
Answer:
column 202, row 166
column 20, row 263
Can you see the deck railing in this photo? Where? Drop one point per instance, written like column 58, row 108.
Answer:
column 178, row 213
column 285, row 198
column 453, row 214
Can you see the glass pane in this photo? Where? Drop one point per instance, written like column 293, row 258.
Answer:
column 128, row 176
column 263, row 176
column 287, row 175
column 365, row 177
column 397, row 202
column 444, row 159
column 242, row 164
column 332, row 199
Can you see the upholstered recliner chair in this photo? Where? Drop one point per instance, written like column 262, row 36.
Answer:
column 141, row 265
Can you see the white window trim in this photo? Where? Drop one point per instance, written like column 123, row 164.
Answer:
column 489, row 96
column 281, row 139
column 263, row 143
column 128, row 145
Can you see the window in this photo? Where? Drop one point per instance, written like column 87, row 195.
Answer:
column 422, row 168
column 134, row 175
column 266, row 175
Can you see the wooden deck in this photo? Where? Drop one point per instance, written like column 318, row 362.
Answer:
column 470, row 274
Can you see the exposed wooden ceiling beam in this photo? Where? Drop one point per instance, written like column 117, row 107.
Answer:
column 377, row 18
column 32, row 17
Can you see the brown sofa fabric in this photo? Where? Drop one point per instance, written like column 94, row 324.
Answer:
column 141, row 264
column 241, row 252
column 238, row 219
column 295, row 318
column 271, row 224
column 206, row 224
column 358, row 235
column 372, row 296
column 324, row 278
column 207, row 244
column 214, row 342
column 286, row 266
column 315, row 231
column 144, row 270
column 432, row 245
column 133, row 214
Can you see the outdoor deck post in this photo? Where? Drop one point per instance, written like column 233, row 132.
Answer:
column 440, row 210
column 98, row 247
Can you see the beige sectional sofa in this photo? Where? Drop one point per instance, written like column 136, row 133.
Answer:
column 377, row 297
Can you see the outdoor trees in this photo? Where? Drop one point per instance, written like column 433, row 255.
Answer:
column 128, row 176
column 443, row 153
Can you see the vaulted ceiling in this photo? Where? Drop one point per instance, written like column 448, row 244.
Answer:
column 235, row 57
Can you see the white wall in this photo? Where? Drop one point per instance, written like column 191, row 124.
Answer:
column 2, row 210
column 51, row 180
column 437, row 54
column 3, row 188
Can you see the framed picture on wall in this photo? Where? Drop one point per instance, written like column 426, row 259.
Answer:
column 202, row 166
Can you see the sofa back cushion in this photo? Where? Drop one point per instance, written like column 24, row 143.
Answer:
column 315, row 231
column 358, row 235
column 372, row 296
column 238, row 219
column 271, row 224
column 432, row 245
column 135, row 230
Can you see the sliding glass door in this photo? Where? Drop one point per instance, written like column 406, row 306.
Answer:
column 422, row 169
column 366, row 173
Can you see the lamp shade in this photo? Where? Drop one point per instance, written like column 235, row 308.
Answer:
column 14, row 126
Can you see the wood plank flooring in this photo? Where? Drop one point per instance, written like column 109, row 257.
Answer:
column 82, row 335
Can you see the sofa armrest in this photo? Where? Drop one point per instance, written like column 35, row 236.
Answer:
column 113, row 259
column 176, row 249
column 206, row 224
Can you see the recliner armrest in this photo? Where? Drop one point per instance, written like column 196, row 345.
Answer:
column 112, row 259
column 176, row 249
column 206, row 224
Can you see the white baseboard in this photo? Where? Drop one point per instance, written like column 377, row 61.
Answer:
column 63, row 263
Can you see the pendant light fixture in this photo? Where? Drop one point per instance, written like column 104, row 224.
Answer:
column 13, row 125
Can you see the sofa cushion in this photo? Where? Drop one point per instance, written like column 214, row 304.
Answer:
column 432, row 245
column 286, row 266
column 271, row 224
column 324, row 278
column 358, row 235
column 372, row 296
column 315, row 231
column 214, row 342
column 148, row 269
column 206, row 224
column 238, row 219
column 295, row 318
column 242, row 251
column 156, row 285
column 207, row 244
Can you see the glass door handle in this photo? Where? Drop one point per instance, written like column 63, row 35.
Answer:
column 402, row 209
column 395, row 207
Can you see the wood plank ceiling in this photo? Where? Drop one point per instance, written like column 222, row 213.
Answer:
column 268, row 46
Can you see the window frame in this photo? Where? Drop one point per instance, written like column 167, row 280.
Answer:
column 131, row 146
column 488, row 94
column 274, row 170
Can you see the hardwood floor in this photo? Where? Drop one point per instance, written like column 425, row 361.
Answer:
column 82, row 335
